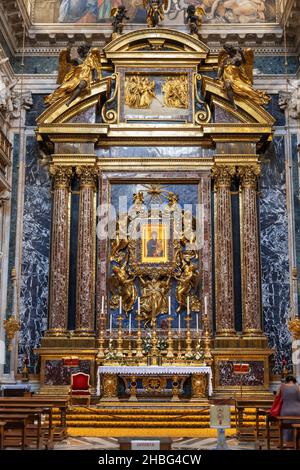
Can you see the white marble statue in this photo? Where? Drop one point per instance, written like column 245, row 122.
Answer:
column 291, row 99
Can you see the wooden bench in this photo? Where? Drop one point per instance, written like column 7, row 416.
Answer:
column 296, row 427
column 35, row 414
column 19, row 421
column 45, row 402
column 2, row 426
column 243, row 403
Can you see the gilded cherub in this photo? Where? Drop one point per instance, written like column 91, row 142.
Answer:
column 75, row 75
column 155, row 11
column 194, row 18
column 118, row 15
column 236, row 75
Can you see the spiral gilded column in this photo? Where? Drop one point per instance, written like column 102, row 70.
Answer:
column 250, row 251
column 224, row 289
column 85, row 301
column 59, row 272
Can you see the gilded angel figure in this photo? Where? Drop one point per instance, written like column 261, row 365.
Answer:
column 236, row 74
column 75, row 75
column 188, row 279
column 121, row 284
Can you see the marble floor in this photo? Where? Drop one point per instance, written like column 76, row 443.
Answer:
column 98, row 443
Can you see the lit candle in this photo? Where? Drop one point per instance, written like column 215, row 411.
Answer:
column 130, row 323
column 205, row 306
column 197, row 322
column 120, row 305
column 188, row 306
column 110, row 323
column 102, row 306
column 139, row 305
column 170, row 313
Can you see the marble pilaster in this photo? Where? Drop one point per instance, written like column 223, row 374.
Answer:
column 85, row 301
column 250, row 251
column 224, row 251
column 59, row 276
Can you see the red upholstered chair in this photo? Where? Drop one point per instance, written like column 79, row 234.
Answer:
column 80, row 387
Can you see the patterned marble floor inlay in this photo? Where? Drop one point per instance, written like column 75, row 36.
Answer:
column 97, row 443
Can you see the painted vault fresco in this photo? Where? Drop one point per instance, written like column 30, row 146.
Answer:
column 98, row 11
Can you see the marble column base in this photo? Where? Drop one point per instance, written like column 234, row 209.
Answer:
column 84, row 333
column 57, row 332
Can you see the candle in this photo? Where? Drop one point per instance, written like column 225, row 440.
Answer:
column 110, row 323
column 120, row 305
column 205, row 306
column 139, row 305
column 130, row 323
column 188, row 306
column 102, row 306
column 170, row 313
column 179, row 323
column 197, row 322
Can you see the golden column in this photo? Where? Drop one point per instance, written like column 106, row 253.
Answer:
column 59, row 274
column 224, row 251
column 86, row 251
column 250, row 251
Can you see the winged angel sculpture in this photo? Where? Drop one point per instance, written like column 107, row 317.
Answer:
column 235, row 71
column 155, row 11
column 194, row 18
column 75, row 75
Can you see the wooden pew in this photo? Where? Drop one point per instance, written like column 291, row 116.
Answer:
column 44, row 402
column 2, row 430
column 257, row 403
column 296, row 428
column 19, row 421
column 35, row 413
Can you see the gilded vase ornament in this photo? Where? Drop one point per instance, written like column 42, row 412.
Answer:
column 75, row 75
column 235, row 71
column 139, row 92
column 12, row 326
column 176, row 92
column 155, row 11
column 193, row 18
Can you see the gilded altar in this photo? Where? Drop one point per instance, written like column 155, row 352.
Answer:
column 146, row 159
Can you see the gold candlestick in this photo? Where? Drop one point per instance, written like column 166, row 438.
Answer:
column 188, row 334
column 207, row 352
column 170, row 354
column 129, row 355
column 179, row 355
column 120, row 337
column 101, row 354
column 139, row 342
column 154, row 350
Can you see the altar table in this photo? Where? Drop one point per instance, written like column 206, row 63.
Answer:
column 107, row 380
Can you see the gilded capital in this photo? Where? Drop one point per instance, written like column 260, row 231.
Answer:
column 223, row 175
column 61, row 176
column 87, row 175
column 248, row 175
